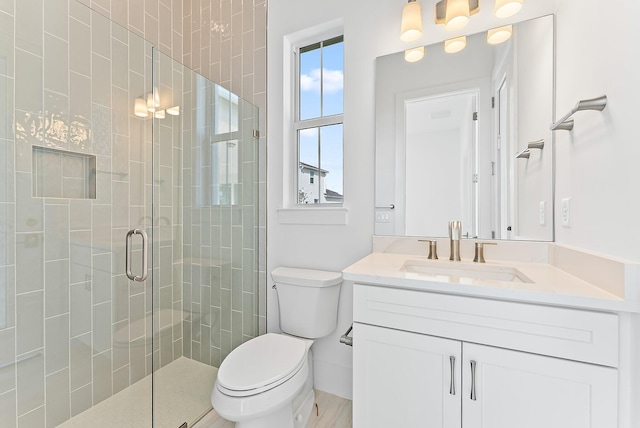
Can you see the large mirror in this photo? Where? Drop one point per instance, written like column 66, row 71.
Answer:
column 465, row 136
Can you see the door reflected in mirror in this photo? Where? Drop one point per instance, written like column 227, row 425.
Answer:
column 444, row 124
column 448, row 129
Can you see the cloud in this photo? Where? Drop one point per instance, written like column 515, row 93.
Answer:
column 309, row 132
column 333, row 81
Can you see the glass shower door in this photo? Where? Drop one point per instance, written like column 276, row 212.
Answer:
column 75, row 178
column 104, row 141
column 205, row 249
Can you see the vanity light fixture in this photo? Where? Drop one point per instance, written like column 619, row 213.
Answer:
column 140, row 108
column 499, row 35
column 411, row 26
column 174, row 111
column 149, row 103
column 507, row 8
column 455, row 45
column 455, row 14
column 414, row 54
column 153, row 101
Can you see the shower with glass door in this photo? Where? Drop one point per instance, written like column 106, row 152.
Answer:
column 128, row 226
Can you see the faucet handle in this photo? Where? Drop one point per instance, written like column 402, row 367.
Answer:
column 455, row 230
column 479, row 253
column 433, row 248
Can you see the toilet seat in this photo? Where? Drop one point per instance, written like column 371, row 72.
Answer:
column 261, row 364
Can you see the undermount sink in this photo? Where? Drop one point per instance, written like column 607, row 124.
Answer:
column 453, row 269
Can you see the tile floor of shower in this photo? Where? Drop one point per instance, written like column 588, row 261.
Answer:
column 182, row 391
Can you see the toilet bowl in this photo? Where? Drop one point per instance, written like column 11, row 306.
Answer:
column 267, row 382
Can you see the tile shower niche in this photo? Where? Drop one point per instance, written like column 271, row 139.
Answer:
column 63, row 174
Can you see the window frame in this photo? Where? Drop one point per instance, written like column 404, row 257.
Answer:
column 316, row 122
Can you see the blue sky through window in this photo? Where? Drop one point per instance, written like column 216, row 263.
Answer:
column 321, row 94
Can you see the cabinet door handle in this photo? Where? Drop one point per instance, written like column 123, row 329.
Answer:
column 452, row 385
column 473, row 380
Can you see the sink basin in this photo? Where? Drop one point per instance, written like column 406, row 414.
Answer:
column 476, row 271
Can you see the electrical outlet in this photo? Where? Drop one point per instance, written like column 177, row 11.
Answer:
column 565, row 212
column 541, row 213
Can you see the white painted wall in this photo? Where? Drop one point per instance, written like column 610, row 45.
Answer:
column 533, row 53
column 596, row 163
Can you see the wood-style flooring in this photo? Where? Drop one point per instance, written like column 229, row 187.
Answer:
column 333, row 412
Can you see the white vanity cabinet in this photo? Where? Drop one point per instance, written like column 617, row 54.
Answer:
column 518, row 389
column 535, row 366
column 403, row 379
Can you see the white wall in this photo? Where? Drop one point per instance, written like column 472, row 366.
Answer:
column 596, row 163
column 331, row 247
column 534, row 86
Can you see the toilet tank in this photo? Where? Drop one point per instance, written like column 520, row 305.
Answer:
column 307, row 300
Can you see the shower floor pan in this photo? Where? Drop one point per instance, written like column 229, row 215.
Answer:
column 182, row 393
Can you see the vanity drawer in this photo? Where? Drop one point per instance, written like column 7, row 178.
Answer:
column 560, row 332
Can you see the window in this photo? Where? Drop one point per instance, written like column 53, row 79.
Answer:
column 225, row 157
column 319, row 122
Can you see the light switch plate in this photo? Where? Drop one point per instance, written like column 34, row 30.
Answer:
column 541, row 213
column 382, row 217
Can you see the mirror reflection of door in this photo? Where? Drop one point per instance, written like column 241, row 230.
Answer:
column 441, row 138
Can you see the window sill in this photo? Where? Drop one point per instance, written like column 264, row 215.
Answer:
column 313, row 215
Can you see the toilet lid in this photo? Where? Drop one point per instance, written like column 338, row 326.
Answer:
column 262, row 361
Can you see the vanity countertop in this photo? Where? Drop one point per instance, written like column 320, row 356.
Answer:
column 550, row 284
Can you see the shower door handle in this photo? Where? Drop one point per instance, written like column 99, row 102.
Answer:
column 130, row 275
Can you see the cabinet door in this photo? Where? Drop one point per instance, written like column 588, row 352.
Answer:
column 403, row 379
column 517, row 389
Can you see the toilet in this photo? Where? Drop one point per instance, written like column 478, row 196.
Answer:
column 267, row 381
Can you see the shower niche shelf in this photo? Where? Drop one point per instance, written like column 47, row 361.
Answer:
column 63, row 174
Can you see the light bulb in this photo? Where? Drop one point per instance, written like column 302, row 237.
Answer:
column 455, row 45
column 498, row 35
column 411, row 26
column 140, row 108
column 457, row 14
column 507, row 8
column 414, row 54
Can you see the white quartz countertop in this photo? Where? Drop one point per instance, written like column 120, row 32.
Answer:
column 550, row 285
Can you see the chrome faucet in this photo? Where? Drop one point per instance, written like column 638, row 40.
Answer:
column 455, row 233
